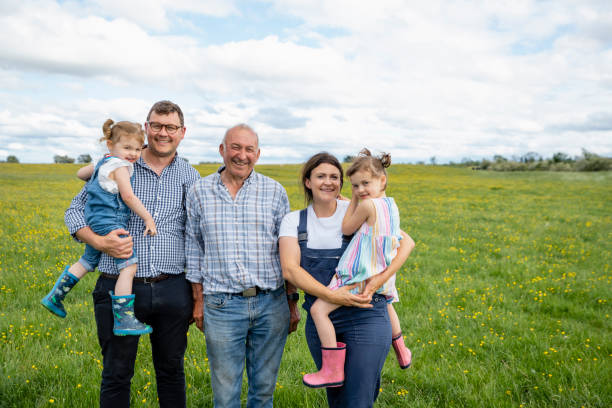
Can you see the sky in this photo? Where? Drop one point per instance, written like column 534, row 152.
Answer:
column 418, row 79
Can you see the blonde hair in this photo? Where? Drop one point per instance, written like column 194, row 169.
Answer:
column 376, row 165
column 114, row 131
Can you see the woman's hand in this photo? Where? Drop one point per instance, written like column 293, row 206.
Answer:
column 373, row 284
column 343, row 296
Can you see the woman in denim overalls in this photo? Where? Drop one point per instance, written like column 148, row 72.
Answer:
column 311, row 244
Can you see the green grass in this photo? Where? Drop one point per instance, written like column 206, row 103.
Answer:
column 505, row 302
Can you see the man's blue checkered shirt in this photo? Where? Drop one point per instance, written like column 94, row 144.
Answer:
column 232, row 244
column 164, row 197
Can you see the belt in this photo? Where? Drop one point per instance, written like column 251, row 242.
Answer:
column 254, row 291
column 154, row 279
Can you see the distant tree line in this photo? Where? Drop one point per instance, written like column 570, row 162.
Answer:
column 84, row 158
column 533, row 161
column 10, row 159
column 559, row 161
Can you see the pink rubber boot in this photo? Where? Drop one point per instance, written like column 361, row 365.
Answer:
column 331, row 373
column 403, row 353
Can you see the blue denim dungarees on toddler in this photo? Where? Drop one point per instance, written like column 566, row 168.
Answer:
column 366, row 332
column 104, row 212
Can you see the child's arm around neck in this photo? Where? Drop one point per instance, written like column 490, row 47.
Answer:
column 357, row 213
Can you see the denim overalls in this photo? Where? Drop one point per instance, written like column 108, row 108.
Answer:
column 366, row 332
column 104, row 212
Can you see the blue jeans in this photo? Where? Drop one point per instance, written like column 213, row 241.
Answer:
column 367, row 334
column 241, row 328
column 166, row 306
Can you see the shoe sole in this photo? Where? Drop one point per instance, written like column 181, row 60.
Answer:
column 52, row 308
column 131, row 332
column 327, row 385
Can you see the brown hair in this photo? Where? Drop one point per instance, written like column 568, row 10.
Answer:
column 314, row 162
column 374, row 164
column 166, row 108
column 114, row 131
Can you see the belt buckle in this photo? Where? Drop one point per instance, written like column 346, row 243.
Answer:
column 250, row 292
column 147, row 280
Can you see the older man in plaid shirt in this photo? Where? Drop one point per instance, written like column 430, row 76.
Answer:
column 163, row 295
column 233, row 219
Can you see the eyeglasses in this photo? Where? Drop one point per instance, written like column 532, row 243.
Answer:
column 157, row 127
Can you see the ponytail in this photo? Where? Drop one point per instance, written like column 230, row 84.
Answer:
column 107, row 129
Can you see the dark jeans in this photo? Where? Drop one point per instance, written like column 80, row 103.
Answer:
column 367, row 334
column 166, row 306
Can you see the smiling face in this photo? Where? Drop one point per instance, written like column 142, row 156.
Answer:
column 240, row 152
column 127, row 147
column 366, row 185
column 324, row 182
column 161, row 143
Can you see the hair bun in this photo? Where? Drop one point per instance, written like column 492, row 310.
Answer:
column 385, row 159
column 365, row 152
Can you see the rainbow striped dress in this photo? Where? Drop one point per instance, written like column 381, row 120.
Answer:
column 371, row 250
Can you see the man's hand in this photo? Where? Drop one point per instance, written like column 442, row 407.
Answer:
column 294, row 315
column 197, row 315
column 114, row 245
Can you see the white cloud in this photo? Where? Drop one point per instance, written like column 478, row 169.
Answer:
column 435, row 78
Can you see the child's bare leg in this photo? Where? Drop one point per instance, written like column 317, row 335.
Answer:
column 320, row 311
column 396, row 329
column 78, row 270
column 123, row 287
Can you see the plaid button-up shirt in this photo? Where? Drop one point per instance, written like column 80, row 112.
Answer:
column 164, row 197
column 232, row 244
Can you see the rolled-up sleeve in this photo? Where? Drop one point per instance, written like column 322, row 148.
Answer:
column 74, row 217
column 194, row 244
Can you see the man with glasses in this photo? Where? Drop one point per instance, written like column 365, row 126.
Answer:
column 163, row 295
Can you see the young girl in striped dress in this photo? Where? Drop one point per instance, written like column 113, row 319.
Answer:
column 374, row 218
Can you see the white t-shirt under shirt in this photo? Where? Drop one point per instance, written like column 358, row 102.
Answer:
column 112, row 164
column 323, row 233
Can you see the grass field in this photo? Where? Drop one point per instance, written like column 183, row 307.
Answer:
column 505, row 302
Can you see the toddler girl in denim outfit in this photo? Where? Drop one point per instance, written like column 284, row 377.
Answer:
column 109, row 200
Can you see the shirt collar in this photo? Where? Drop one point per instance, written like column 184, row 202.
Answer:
column 143, row 164
column 247, row 181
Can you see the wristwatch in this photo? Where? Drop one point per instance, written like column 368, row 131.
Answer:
column 293, row 296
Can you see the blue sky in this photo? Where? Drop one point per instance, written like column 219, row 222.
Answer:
column 450, row 79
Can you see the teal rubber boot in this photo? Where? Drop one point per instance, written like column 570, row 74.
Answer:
column 126, row 323
column 53, row 300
